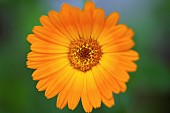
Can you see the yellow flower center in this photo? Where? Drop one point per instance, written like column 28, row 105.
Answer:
column 84, row 54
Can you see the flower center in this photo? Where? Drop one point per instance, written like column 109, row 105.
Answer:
column 84, row 54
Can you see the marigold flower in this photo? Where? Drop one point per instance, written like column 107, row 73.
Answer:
column 81, row 54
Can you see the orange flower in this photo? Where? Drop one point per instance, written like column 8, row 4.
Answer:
column 80, row 54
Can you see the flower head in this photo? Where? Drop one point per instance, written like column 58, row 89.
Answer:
column 81, row 54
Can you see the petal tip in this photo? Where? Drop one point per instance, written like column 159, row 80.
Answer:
column 89, row 6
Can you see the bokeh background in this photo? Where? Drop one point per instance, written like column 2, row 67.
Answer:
column 149, row 87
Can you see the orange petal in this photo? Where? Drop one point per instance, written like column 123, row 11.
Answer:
column 129, row 34
column 50, row 37
column 110, row 35
column 129, row 55
column 92, row 90
column 90, row 7
column 49, row 69
column 49, row 48
column 102, row 83
column 34, row 65
column 36, row 57
column 76, row 90
column 43, row 84
column 98, row 23
column 114, row 69
column 33, row 39
column 61, row 79
column 122, row 86
column 69, row 19
column 45, row 21
column 118, row 47
column 112, row 20
column 62, row 98
column 66, row 7
column 119, row 59
column 84, row 98
column 108, row 102
column 110, row 79
column 56, row 21
column 69, row 24
column 85, row 25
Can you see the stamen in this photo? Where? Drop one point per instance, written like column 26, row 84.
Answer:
column 84, row 54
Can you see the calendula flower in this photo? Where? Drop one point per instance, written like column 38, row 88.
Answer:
column 81, row 54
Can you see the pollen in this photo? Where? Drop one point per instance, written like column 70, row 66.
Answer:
column 84, row 54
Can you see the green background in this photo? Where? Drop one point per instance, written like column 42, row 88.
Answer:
column 149, row 87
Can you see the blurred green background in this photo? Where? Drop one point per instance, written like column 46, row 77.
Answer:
column 149, row 87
